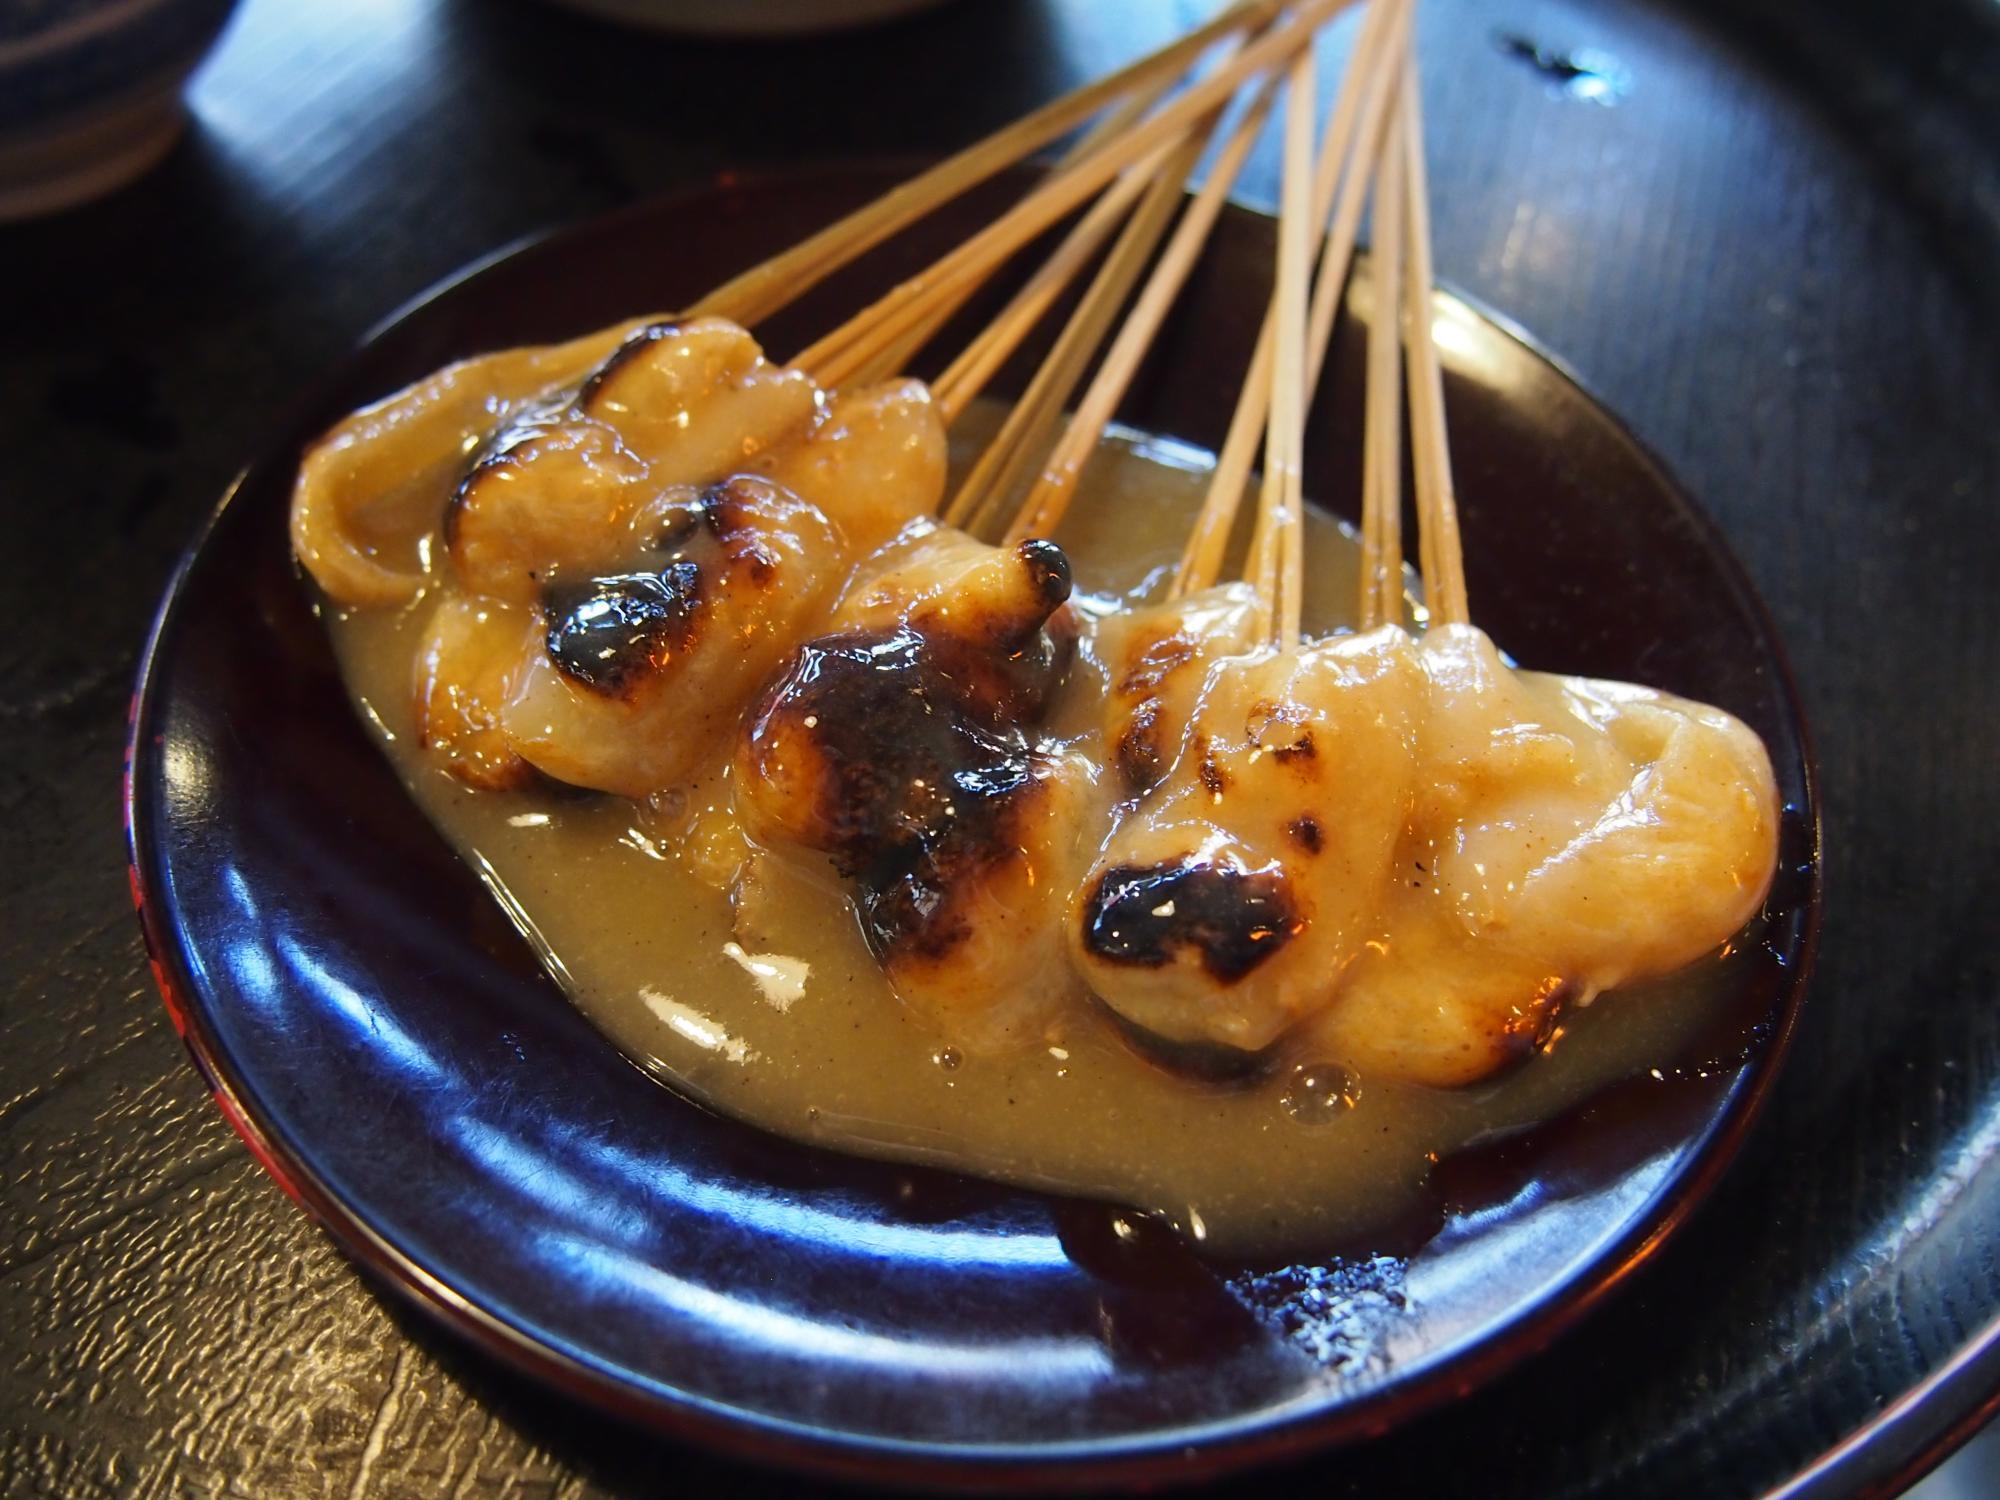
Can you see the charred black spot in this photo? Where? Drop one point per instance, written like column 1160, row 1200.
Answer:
column 909, row 906
column 729, row 510
column 914, row 733
column 1279, row 730
column 915, row 741
column 1139, row 759
column 758, row 562
column 722, row 507
column 1234, row 919
column 1305, row 832
column 1214, row 780
column 923, row 767
column 635, row 344
column 1048, row 570
column 681, row 530
column 1300, row 749
column 609, row 633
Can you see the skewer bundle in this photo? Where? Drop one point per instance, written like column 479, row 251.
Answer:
column 1143, row 227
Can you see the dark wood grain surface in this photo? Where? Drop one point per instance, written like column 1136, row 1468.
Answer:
column 1775, row 256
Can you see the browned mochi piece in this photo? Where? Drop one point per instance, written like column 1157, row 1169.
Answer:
column 873, row 459
column 638, row 675
column 552, row 494
column 1429, row 1006
column 697, row 399
column 969, row 930
column 941, row 643
column 464, row 664
column 1570, row 836
column 1212, row 917
column 1156, row 658
column 899, row 746
column 369, row 489
column 941, row 580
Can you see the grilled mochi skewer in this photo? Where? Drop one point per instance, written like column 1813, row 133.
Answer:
column 1569, row 835
column 1420, row 852
column 900, row 744
column 964, row 836
column 1502, row 842
column 626, row 558
column 1230, row 898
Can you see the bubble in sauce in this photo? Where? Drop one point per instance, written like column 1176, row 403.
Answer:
column 1318, row 1093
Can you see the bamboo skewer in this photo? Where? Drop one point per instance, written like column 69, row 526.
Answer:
column 1028, row 426
column 1381, row 453
column 875, row 348
column 1282, row 501
column 860, row 347
column 1380, row 93
column 1082, row 242
column 967, row 375
column 1051, row 494
column 978, row 256
column 763, row 289
column 1135, row 164
column 1352, row 141
column 1303, row 364
column 1437, row 501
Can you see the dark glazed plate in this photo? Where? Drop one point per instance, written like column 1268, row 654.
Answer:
column 390, row 1049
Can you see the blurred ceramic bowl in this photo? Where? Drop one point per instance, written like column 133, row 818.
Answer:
column 90, row 92
column 748, row 18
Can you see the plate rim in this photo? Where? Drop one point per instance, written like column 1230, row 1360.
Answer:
column 1167, row 1456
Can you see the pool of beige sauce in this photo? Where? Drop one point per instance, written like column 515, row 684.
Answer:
column 798, row 1032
